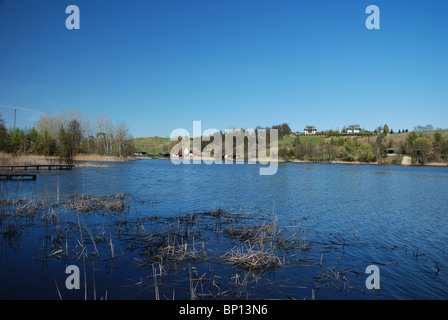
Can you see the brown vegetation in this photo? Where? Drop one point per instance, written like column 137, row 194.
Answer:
column 175, row 248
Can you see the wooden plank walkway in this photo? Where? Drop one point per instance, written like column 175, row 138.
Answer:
column 39, row 167
column 10, row 177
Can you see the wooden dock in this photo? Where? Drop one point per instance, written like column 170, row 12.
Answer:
column 9, row 177
column 39, row 167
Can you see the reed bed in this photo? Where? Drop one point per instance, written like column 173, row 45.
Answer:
column 252, row 257
column 173, row 250
column 89, row 203
column 101, row 158
column 87, row 161
column 29, row 209
column 91, row 165
column 7, row 159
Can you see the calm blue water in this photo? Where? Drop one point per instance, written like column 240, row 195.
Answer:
column 393, row 217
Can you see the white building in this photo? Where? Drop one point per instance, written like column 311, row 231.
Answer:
column 310, row 130
column 354, row 128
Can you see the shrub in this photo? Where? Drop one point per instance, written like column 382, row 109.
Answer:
column 365, row 153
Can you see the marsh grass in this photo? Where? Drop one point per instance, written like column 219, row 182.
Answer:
column 89, row 203
column 100, row 158
column 7, row 159
column 202, row 255
column 85, row 161
column 87, row 164
column 253, row 258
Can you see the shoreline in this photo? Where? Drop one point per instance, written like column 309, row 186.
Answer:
column 25, row 160
column 99, row 158
column 42, row 160
column 429, row 164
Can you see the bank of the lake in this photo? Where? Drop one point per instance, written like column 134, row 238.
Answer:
column 280, row 160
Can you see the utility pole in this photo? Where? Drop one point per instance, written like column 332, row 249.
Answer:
column 15, row 112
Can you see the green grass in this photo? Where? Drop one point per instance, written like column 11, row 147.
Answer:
column 315, row 140
column 153, row 145
column 288, row 141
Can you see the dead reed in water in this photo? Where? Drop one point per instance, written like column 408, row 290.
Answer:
column 253, row 257
column 108, row 203
column 7, row 159
column 242, row 246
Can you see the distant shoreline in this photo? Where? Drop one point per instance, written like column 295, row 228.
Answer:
column 28, row 159
column 429, row 164
column 34, row 160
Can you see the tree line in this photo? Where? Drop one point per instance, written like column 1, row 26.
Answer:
column 67, row 134
column 431, row 147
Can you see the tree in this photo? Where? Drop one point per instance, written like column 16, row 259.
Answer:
column 421, row 148
column 365, row 153
column 328, row 150
column 283, row 153
column 304, row 149
column 3, row 135
column 104, row 133
column 47, row 145
column 411, row 138
column 386, row 129
column 380, row 146
column 439, row 146
column 75, row 134
column 123, row 140
column 65, row 144
column 16, row 138
column 428, row 127
column 283, row 129
column 48, row 124
column 297, row 143
column 437, row 138
column 31, row 141
column 349, row 150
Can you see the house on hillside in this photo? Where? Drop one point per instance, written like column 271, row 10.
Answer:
column 310, row 130
column 353, row 129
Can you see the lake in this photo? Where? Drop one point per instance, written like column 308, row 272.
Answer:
column 315, row 227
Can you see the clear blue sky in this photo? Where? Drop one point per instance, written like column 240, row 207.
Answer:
column 160, row 64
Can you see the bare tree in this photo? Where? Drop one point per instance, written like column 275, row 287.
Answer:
column 105, row 129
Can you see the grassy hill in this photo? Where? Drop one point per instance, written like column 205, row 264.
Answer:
column 288, row 141
column 153, row 145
